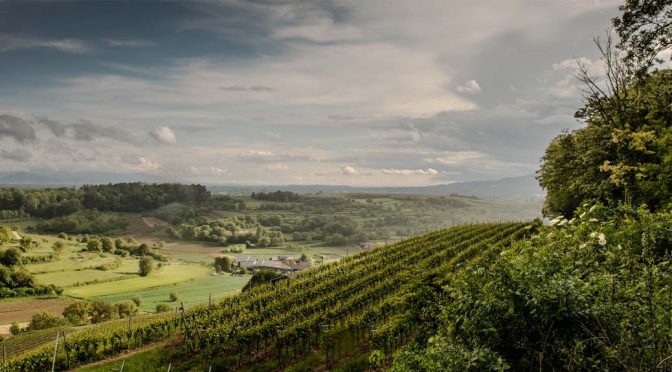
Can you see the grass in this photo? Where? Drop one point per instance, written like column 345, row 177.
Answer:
column 191, row 292
column 174, row 273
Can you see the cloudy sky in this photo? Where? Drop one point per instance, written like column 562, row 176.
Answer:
column 354, row 92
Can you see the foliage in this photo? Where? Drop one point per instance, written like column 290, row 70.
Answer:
column 10, row 257
column 173, row 296
column 277, row 196
column 126, row 309
column 224, row 263
column 145, row 265
column 645, row 30
column 44, row 320
column 589, row 295
column 262, row 277
column 623, row 155
column 162, row 308
column 102, row 311
column 14, row 328
column 78, row 312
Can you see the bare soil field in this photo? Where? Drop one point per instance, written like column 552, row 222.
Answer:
column 24, row 309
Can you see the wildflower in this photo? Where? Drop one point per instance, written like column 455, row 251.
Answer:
column 601, row 239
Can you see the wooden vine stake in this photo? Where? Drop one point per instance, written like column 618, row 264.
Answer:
column 53, row 362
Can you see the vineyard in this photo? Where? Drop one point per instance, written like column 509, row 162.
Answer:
column 367, row 298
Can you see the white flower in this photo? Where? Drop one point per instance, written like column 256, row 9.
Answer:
column 602, row 240
column 594, row 220
column 592, row 208
column 593, row 234
column 582, row 214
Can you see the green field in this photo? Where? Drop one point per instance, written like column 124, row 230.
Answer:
column 167, row 275
column 190, row 293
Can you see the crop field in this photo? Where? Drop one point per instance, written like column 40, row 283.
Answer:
column 23, row 308
column 190, row 293
column 348, row 296
column 170, row 274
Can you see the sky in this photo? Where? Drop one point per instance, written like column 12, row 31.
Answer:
column 362, row 93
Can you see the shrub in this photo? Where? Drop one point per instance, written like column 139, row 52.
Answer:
column 146, row 265
column 173, row 296
column 136, row 300
column 126, row 309
column 78, row 313
column 14, row 328
column 162, row 308
column 103, row 311
column 44, row 320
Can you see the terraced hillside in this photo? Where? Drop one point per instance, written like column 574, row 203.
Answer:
column 361, row 299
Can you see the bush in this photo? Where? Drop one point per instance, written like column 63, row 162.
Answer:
column 173, row 296
column 14, row 328
column 103, row 311
column 44, row 320
column 10, row 257
column 162, row 308
column 126, row 309
column 146, row 265
column 136, row 300
column 224, row 263
column 78, row 313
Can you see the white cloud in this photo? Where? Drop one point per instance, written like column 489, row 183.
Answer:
column 470, row 87
column 456, row 158
column 348, row 170
column 276, row 167
column 164, row 135
column 411, row 172
column 216, row 171
column 193, row 170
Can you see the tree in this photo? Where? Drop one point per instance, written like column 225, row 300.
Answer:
column 645, row 30
column 173, row 296
column 58, row 247
column 622, row 155
column 14, row 328
column 224, row 263
column 44, row 320
column 126, row 309
column 146, row 265
column 10, row 257
column 108, row 244
column 102, row 311
column 78, row 313
column 94, row 245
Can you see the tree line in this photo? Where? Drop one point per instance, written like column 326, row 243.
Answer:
column 122, row 197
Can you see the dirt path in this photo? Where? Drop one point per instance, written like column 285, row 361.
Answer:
column 4, row 329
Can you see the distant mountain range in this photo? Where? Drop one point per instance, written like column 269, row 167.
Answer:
column 512, row 188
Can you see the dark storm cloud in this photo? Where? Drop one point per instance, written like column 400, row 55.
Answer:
column 16, row 154
column 516, row 133
column 17, row 128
